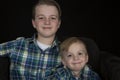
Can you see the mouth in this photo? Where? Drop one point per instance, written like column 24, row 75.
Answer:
column 46, row 27
column 76, row 62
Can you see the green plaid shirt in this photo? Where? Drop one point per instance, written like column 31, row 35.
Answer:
column 66, row 74
column 28, row 61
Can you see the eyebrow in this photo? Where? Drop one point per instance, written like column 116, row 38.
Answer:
column 44, row 15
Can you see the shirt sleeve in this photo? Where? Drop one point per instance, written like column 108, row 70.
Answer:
column 7, row 47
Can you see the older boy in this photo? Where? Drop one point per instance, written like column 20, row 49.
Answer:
column 33, row 58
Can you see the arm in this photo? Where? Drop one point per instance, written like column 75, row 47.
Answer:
column 7, row 47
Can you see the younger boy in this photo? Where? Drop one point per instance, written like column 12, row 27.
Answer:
column 74, row 58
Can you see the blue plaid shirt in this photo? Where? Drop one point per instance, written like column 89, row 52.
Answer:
column 28, row 61
column 65, row 74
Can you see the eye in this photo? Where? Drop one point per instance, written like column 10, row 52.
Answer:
column 40, row 18
column 53, row 18
column 69, row 55
column 79, row 53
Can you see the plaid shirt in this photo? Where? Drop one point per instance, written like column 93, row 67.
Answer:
column 28, row 61
column 65, row 74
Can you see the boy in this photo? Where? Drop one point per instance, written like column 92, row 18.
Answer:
column 74, row 58
column 33, row 58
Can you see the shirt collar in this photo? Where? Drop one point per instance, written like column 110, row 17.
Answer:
column 83, row 72
column 55, row 43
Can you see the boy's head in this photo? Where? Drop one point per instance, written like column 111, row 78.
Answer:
column 46, row 18
column 73, row 53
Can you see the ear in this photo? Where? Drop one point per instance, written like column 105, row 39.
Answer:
column 33, row 23
column 59, row 23
column 63, row 61
column 87, row 58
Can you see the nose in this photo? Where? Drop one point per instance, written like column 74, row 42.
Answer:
column 47, row 21
column 76, row 57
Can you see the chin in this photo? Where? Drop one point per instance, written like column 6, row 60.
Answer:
column 48, row 36
column 77, row 69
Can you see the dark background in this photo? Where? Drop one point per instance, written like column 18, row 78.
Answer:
column 95, row 19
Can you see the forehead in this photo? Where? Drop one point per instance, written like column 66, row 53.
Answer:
column 46, row 9
column 77, row 46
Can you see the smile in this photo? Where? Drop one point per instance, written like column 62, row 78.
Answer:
column 46, row 27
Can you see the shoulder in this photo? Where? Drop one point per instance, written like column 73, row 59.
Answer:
column 93, row 75
column 23, row 40
column 13, row 42
column 19, row 41
column 20, row 38
column 90, row 74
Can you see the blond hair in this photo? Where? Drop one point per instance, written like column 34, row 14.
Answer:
column 68, row 42
column 46, row 2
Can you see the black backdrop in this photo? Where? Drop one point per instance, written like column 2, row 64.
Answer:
column 93, row 19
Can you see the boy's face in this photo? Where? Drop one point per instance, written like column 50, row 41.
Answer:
column 76, row 57
column 46, row 20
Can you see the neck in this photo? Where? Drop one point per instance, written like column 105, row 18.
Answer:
column 76, row 73
column 46, row 40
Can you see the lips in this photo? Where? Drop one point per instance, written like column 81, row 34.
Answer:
column 76, row 62
column 46, row 27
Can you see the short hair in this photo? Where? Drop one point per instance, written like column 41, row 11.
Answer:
column 46, row 2
column 68, row 42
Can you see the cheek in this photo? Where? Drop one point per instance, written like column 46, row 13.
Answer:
column 85, row 59
column 35, row 24
column 56, row 23
column 39, row 23
column 67, row 61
